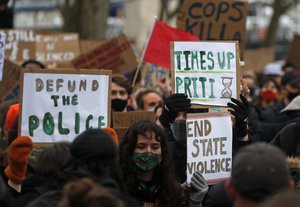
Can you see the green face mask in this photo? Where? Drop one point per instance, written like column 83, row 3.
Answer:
column 146, row 161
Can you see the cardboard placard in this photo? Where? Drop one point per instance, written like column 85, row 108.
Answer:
column 66, row 103
column 123, row 120
column 87, row 45
column 20, row 44
column 11, row 77
column 215, row 19
column 57, row 47
column 126, row 119
column 208, row 72
column 115, row 54
column 294, row 51
column 209, row 146
column 257, row 59
column 152, row 73
column 2, row 52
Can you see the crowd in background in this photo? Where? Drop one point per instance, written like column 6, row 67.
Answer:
column 147, row 166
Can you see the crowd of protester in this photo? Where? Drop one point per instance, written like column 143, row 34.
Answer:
column 147, row 166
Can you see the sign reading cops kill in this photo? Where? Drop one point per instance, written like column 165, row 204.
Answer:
column 205, row 71
column 215, row 19
column 57, row 105
column 209, row 146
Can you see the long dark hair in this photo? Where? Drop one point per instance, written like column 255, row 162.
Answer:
column 169, row 193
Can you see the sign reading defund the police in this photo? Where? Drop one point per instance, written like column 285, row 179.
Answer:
column 57, row 105
column 209, row 146
column 205, row 71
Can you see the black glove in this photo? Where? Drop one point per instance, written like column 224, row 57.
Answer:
column 240, row 112
column 178, row 102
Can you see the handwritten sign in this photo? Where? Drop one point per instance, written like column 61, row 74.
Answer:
column 115, row 54
column 20, row 44
column 209, row 146
column 2, row 52
column 205, row 71
column 66, row 102
column 215, row 19
column 152, row 73
column 62, row 47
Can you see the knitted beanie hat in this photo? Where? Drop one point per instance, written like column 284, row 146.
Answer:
column 94, row 144
column 18, row 155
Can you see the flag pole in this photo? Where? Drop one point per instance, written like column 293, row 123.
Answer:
column 143, row 54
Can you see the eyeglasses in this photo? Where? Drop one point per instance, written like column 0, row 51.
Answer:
column 121, row 92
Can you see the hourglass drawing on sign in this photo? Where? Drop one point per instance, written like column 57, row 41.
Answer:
column 226, row 92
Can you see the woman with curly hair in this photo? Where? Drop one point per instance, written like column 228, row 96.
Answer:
column 147, row 168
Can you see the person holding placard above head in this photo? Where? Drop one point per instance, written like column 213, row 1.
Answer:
column 147, row 169
column 120, row 93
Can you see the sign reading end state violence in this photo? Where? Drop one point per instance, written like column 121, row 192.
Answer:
column 209, row 146
column 58, row 105
column 206, row 71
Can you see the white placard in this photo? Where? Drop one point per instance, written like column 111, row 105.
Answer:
column 209, row 146
column 205, row 71
column 2, row 53
column 57, row 107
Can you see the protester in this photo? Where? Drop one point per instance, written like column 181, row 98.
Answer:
column 120, row 93
column 268, row 95
column 94, row 154
column 273, row 71
column 87, row 193
column 270, row 121
column 5, row 197
column 147, row 169
column 258, row 172
column 33, row 64
column 287, row 139
column 16, row 170
column 286, row 199
column 46, row 168
column 9, row 113
column 173, row 119
column 294, row 165
column 4, row 107
column 148, row 99
column 287, row 67
column 251, row 81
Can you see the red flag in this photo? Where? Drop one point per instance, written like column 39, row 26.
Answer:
column 157, row 48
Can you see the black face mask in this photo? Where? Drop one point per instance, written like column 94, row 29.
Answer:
column 291, row 96
column 179, row 131
column 118, row 104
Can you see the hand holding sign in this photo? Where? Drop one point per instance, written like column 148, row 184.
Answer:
column 175, row 103
column 240, row 112
column 199, row 188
